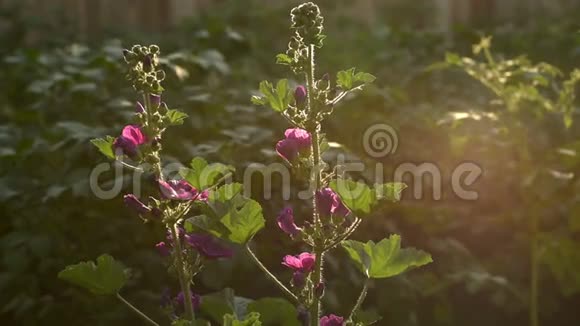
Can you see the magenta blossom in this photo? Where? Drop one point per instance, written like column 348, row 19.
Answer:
column 331, row 320
column 303, row 262
column 297, row 141
column 129, row 141
column 163, row 249
column 329, row 203
column 178, row 190
column 208, row 246
column 133, row 202
column 180, row 302
column 286, row 222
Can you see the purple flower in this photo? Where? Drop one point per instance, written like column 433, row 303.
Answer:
column 329, row 203
column 331, row 320
column 208, row 246
column 155, row 100
column 302, row 315
column 177, row 190
column 139, row 108
column 301, row 136
column 163, row 249
column 130, row 139
column 287, row 149
column 298, row 279
column 133, row 202
column 303, row 262
column 300, row 95
column 180, row 302
column 297, row 141
column 286, row 222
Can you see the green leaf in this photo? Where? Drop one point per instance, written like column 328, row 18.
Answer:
column 259, row 100
column 385, row 258
column 233, row 217
column 175, row 117
column 391, row 191
column 366, row 317
column 355, row 195
column 252, row 319
column 348, row 79
column 202, row 175
column 105, row 146
column 279, row 98
column 218, row 304
column 106, row 277
column 275, row 312
column 283, row 59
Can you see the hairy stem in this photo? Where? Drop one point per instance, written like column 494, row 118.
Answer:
column 316, row 181
column 270, row 275
column 137, row 311
column 149, row 112
column 184, row 283
column 360, row 300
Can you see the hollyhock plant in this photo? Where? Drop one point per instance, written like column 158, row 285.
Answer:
column 286, row 222
column 208, row 246
column 329, row 203
column 177, row 190
column 213, row 212
column 133, row 202
column 303, row 262
column 331, row 320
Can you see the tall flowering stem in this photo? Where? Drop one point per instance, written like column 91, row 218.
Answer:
column 183, row 279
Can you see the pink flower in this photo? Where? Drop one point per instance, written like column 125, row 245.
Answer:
column 329, row 203
column 208, row 246
column 130, row 139
column 301, row 136
column 331, row 320
column 286, row 222
column 180, row 302
column 177, row 190
column 303, row 262
column 163, row 249
column 297, row 141
column 133, row 202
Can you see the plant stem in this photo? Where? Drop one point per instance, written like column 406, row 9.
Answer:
column 535, row 273
column 316, row 177
column 137, row 311
column 190, row 315
column 270, row 275
column 360, row 300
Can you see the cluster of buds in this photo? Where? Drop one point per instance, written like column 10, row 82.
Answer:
column 307, row 23
column 143, row 73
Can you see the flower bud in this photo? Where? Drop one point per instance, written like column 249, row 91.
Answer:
column 154, row 49
column 139, row 108
column 163, row 249
column 134, row 203
column 298, row 279
column 155, row 100
column 300, row 95
column 147, row 63
column 319, row 290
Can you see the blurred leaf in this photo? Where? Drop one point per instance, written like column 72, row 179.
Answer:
column 347, row 79
column 279, row 98
column 105, row 278
column 366, row 317
column 359, row 198
column 253, row 319
column 385, row 258
column 275, row 312
column 283, row 59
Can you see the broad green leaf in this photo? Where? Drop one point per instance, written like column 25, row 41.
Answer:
column 284, row 94
column 391, row 191
column 105, row 146
column 385, row 258
column 348, row 79
column 283, row 59
column 275, row 312
column 175, row 117
column 106, row 277
column 252, row 319
column 202, row 175
column 355, row 195
column 232, row 216
column 218, row 304
column 259, row 100
column 278, row 98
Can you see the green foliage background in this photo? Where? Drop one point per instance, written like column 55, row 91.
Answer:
column 57, row 94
